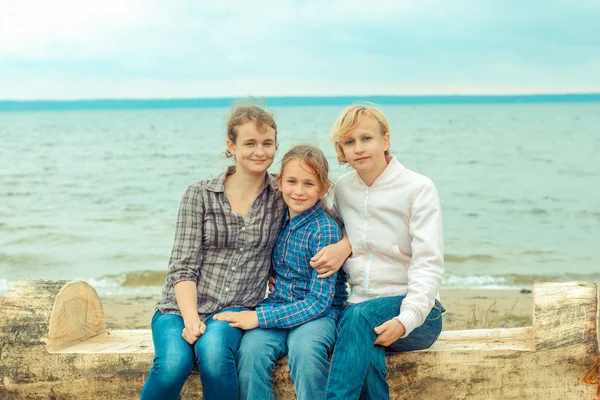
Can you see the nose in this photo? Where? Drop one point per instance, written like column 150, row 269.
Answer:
column 259, row 151
column 358, row 148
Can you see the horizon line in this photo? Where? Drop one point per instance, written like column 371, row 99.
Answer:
column 287, row 101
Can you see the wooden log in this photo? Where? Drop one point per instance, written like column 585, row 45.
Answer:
column 53, row 344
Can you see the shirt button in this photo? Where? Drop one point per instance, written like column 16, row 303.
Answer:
column 227, row 289
column 233, row 268
column 241, row 249
column 243, row 228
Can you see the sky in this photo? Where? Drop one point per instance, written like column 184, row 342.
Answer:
column 73, row 49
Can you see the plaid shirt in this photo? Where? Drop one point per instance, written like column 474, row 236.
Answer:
column 299, row 295
column 228, row 257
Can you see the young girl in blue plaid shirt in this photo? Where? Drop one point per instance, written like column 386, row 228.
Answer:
column 299, row 317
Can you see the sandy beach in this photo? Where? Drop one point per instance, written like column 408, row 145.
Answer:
column 465, row 309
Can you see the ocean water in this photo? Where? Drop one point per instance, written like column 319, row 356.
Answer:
column 93, row 195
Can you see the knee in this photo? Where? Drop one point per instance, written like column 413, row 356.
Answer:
column 307, row 357
column 172, row 367
column 252, row 357
column 211, row 355
column 353, row 318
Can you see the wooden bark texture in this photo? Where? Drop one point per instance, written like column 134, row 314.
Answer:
column 54, row 345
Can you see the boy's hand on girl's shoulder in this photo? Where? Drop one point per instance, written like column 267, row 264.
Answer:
column 389, row 332
column 245, row 320
column 193, row 330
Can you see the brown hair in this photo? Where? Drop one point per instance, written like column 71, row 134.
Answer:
column 349, row 120
column 241, row 114
column 316, row 161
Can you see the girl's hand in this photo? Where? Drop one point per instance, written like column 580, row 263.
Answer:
column 271, row 284
column 245, row 320
column 193, row 330
column 330, row 258
column 389, row 332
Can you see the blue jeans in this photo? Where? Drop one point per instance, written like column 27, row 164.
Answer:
column 308, row 347
column 358, row 368
column 174, row 358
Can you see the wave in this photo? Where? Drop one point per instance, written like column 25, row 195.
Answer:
column 481, row 258
column 143, row 278
column 475, row 282
column 150, row 282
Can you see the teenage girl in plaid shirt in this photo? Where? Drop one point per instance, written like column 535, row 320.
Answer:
column 299, row 317
column 225, row 233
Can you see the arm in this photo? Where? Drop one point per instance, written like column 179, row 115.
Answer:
column 331, row 258
column 321, row 292
column 183, row 265
column 425, row 270
column 316, row 304
column 270, row 315
column 427, row 265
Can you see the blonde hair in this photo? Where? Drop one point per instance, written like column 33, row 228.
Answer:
column 349, row 120
column 241, row 114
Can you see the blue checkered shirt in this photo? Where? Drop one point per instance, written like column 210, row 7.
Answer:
column 299, row 295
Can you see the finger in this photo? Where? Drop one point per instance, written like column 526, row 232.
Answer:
column 202, row 328
column 185, row 337
column 383, row 339
column 316, row 257
column 235, row 325
column 380, row 329
column 221, row 316
column 323, row 270
column 325, row 275
column 196, row 331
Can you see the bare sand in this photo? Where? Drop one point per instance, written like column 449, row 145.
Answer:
column 465, row 309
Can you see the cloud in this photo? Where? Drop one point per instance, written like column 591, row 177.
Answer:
column 193, row 48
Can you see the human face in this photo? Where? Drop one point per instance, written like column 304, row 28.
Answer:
column 299, row 187
column 254, row 150
column 365, row 147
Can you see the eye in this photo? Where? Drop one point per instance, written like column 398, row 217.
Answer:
column 367, row 138
column 348, row 142
column 310, row 184
column 291, row 181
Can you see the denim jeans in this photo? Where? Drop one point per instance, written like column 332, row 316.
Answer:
column 358, row 368
column 308, row 347
column 174, row 358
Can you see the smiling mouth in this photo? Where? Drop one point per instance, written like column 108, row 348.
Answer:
column 259, row 160
column 361, row 159
column 298, row 200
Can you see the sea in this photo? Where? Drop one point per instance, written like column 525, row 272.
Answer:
column 92, row 192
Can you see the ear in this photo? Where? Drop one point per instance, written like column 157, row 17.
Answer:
column 386, row 140
column 230, row 147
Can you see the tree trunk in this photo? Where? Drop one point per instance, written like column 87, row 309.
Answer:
column 54, row 344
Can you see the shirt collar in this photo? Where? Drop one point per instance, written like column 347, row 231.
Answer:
column 306, row 216
column 217, row 184
column 393, row 167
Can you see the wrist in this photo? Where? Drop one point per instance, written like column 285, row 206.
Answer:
column 190, row 318
column 347, row 247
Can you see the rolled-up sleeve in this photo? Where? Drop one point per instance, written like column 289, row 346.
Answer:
column 186, row 256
